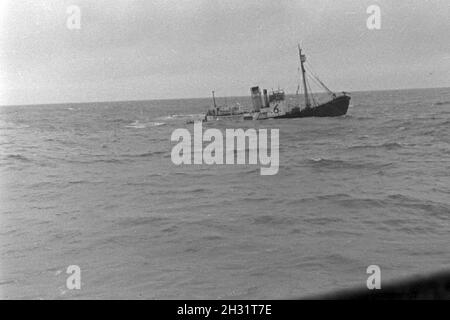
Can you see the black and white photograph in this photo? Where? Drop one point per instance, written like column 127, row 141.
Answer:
column 224, row 150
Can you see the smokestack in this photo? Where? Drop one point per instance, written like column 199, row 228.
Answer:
column 256, row 99
column 266, row 99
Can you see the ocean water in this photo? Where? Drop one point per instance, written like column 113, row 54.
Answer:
column 93, row 185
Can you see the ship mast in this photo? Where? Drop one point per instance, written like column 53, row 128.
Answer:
column 214, row 100
column 302, row 60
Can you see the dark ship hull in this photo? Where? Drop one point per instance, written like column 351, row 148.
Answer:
column 334, row 108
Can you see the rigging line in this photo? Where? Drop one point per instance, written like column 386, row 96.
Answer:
column 317, row 98
column 320, row 82
column 311, row 93
column 311, row 76
column 314, row 80
column 323, row 85
column 310, row 69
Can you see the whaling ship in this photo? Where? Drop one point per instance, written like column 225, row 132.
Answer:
column 275, row 105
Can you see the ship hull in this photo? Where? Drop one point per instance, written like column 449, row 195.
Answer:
column 236, row 116
column 334, row 108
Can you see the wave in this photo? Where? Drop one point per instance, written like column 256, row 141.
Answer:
column 12, row 125
column 180, row 116
column 256, row 199
column 138, row 125
column 90, row 161
column 321, row 221
column 140, row 221
column 145, row 154
column 273, row 220
column 349, row 116
column 431, row 208
column 120, row 159
column 18, row 157
column 344, row 164
column 387, row 145
column 445, row 123
column 197, row 190
column 119, row 121
column 441, row 103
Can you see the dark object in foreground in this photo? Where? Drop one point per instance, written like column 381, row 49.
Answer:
column 428, row 287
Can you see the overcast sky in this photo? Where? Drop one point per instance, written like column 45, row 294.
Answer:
column 156, row 49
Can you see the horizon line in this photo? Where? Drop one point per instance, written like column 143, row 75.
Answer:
column 192, row 98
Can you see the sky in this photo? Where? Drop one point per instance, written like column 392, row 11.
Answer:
column 163, row 49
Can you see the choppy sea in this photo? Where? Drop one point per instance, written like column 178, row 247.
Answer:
column 93, row 185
